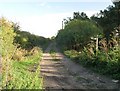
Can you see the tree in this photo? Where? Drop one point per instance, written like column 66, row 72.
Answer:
column 77, row 33
column 27, row 40
column 82, row 16
column 109, row 20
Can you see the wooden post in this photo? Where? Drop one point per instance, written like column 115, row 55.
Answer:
column 97, row 43
column 62, row 24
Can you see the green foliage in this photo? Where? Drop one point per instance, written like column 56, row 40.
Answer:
column 53, row 55
column 101, row 62
column 6, row 38
column 81, row 16
column 16, row 61
column 109, row 20
column 7, row 48
column 22, row 77
column 80, row 34
column 77, row 34
column 52, row 51
column 73, row 54
column 27, row 40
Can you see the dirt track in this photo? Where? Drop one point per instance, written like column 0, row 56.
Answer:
column 65, row 74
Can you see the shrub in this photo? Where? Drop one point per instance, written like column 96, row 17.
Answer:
column 6, row 48
column 72, row 54
column 101, row 62
column 35, row 51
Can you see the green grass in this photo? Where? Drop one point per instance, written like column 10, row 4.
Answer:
column 22, row 77
column 53, row 54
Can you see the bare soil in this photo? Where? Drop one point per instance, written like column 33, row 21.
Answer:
column 64, row 74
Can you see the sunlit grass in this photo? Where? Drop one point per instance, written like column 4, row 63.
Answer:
column 22, row 77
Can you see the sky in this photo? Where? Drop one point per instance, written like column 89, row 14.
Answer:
column 44, row 17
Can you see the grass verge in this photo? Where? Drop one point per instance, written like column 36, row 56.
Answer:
column 21, row 77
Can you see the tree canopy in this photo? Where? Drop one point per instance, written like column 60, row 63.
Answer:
column 77, row 32
column 109, row 20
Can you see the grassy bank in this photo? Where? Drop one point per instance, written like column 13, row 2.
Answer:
column 20, row 53
column 24, row 74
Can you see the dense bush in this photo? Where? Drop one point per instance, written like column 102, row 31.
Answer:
column 6, row 38
column 73, row 54
column 27, row 40
column 108, row 64
column 77, row 34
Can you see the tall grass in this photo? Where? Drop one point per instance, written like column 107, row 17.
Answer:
column 22, row 75
column 17, row 62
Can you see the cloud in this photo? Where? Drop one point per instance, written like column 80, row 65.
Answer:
column 23, row 1
column 43, row 4
column 115, row 0
column 44, row 25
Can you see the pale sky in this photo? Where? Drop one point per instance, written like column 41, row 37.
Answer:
column 44, row 17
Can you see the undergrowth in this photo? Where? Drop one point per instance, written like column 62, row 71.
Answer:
column 101, row 62
column 21, row 75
